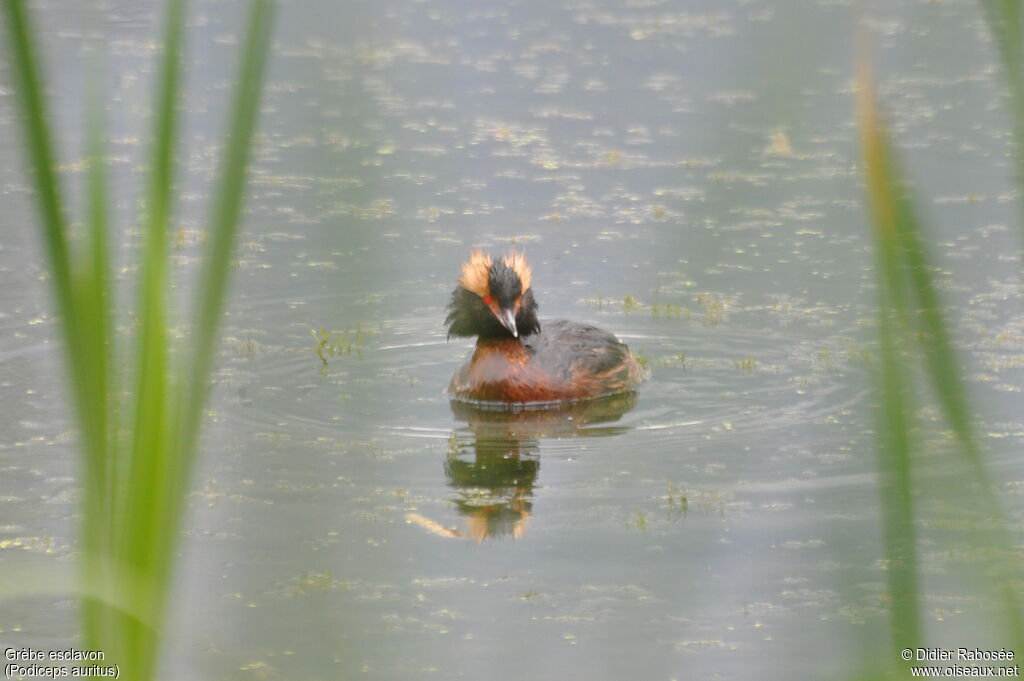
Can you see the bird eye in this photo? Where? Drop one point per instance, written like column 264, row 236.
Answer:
column 487, row 299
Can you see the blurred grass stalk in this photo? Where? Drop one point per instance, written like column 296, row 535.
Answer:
column 912, row 327
column 136, row 457
column 1004, row 21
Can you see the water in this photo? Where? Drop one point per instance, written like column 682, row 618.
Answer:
column 684, row 175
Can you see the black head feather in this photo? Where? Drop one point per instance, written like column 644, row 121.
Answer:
column 469, row 315
column 504, row 284
column 526, row 320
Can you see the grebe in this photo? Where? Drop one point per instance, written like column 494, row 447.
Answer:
column 518, row 360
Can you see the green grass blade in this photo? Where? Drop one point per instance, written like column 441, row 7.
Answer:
column 58, row 580
column 80, row 286
column 896, row 484
column 149, row 450
column 911, row 292
column 40, row 148
column 98, row 271
column 225, row 214
column 930, row 325
column 132, row 497
column 1004, row 20
column 911, row 319
column 147, row 540
column 39, row 145
column 894, row 445
column 95, row 303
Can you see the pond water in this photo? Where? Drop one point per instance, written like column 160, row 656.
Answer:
column 684, row 175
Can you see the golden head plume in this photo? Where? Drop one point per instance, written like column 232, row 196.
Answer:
column 477, row 272
column 517, row 261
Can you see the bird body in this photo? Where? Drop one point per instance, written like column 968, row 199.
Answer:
column 518, row 359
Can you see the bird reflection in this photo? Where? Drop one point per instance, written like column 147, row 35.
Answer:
column 494, row 459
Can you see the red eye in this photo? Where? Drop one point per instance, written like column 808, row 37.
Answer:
column 487, row 299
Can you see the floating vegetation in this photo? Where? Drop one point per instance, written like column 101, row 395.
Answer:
column 632, row 304
column 668, row 311
column 668, row 361
column 779, row 145
column 612, row 158
column 317, row 582
column 676, row 499
column 246, row 349
column 714, row 307
column 639, row 521
column 826, row 360
column 258, row 670
column 861, row 355
column 747, row 364
column 455, row 446
column 331, row 344
column 679, row 502
column 708, row 502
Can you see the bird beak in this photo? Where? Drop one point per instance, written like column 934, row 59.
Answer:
column 508, row 320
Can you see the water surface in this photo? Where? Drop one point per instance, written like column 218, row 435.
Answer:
column 682, row 174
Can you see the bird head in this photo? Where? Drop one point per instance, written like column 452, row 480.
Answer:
column 493, row 298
